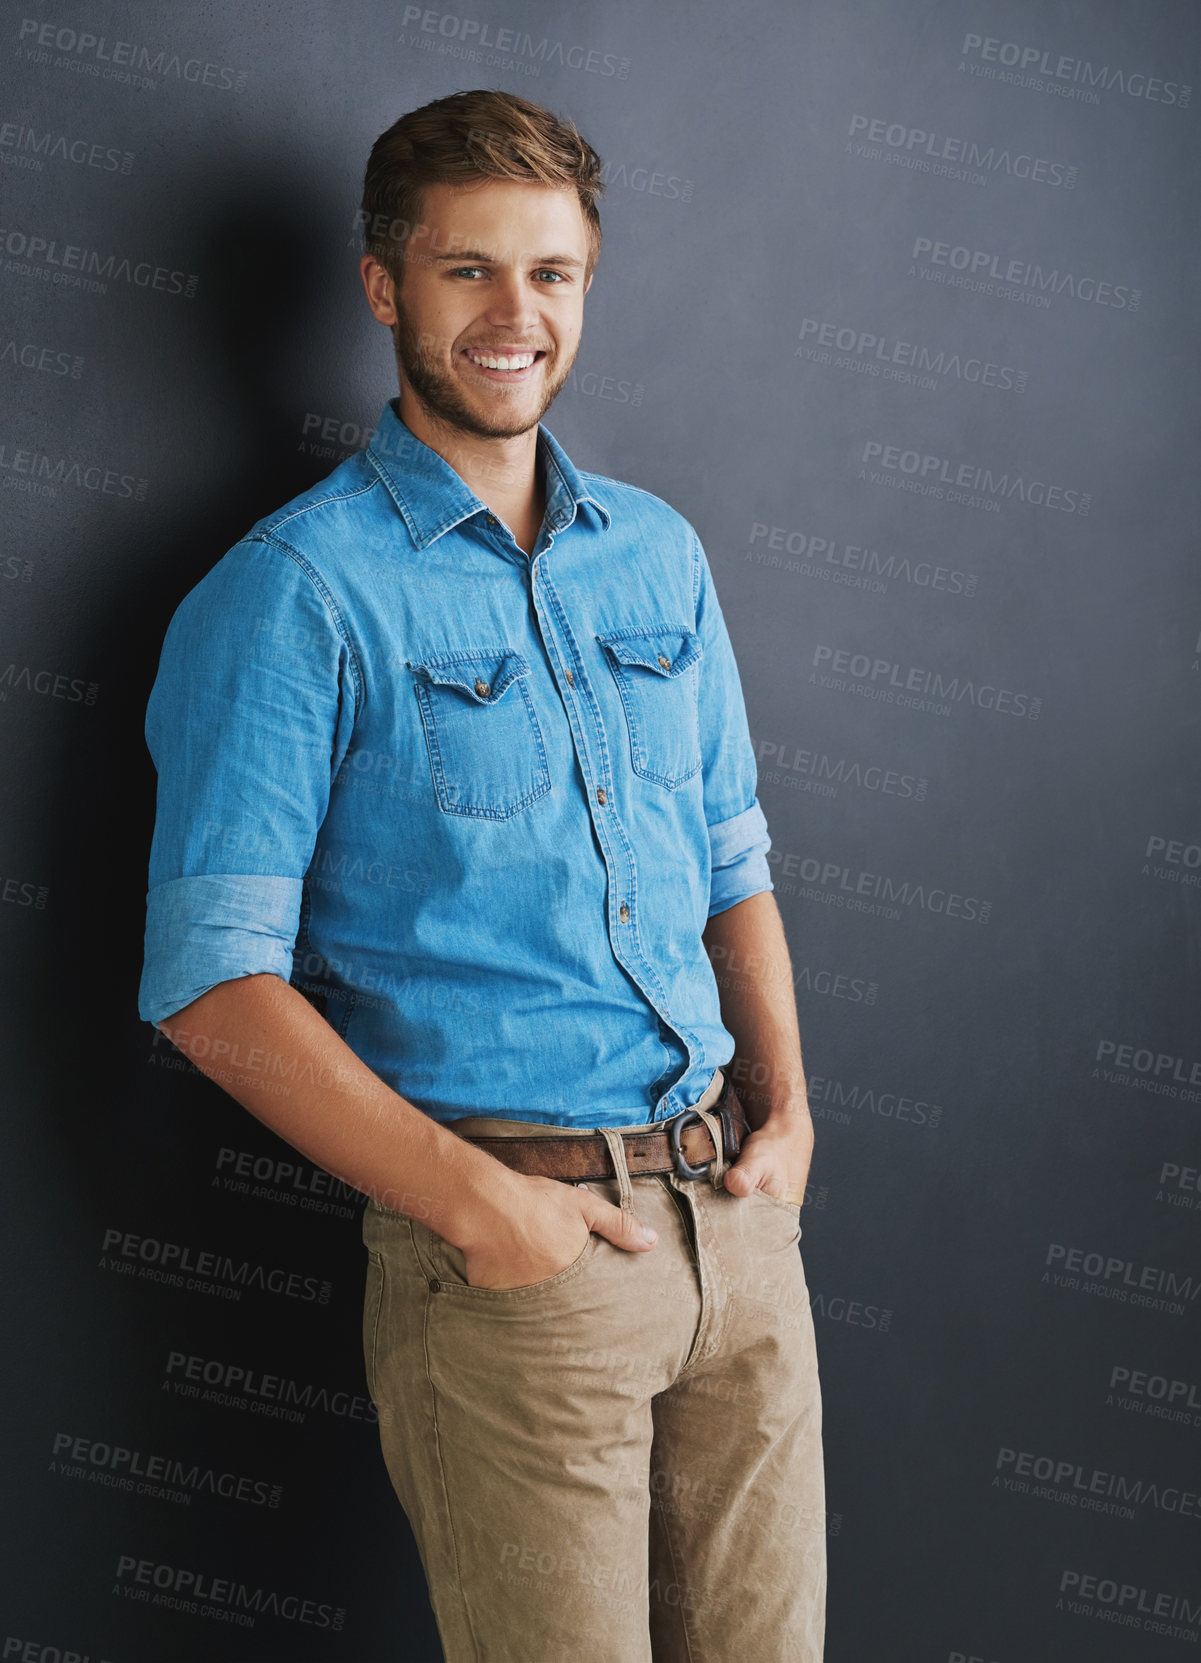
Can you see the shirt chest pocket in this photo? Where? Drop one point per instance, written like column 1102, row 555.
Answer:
column 486, row 751
column 657, row 670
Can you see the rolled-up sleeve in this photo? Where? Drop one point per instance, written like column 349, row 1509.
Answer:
column 738, row 849
column 738, row 834
column 249, row 718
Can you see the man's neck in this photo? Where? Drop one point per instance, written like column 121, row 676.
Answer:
column 505, row 474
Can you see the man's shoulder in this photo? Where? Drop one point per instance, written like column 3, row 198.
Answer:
column 292, row 556
column 630, row 505
column 319, row 517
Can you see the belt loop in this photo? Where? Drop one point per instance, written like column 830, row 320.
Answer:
column 617, row 1154
column 715, row 1132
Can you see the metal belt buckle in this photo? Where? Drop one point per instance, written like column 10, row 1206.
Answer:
column 680, row 1165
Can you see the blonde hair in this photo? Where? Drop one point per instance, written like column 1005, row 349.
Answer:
column 464, row 139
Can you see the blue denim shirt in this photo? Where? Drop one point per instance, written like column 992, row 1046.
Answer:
column 477, row 804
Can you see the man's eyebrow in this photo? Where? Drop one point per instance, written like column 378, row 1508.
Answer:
column 466, row 255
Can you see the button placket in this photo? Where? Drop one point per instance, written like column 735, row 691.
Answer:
column 611, row 834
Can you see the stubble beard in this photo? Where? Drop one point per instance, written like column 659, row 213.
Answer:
column 444, row 402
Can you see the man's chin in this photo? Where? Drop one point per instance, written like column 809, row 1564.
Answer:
column 487, row 419
column 482, row 425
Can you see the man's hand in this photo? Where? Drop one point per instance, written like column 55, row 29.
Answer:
column 776, row 1159
column 537, row 1227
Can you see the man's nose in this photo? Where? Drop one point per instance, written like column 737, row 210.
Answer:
column 512, row 304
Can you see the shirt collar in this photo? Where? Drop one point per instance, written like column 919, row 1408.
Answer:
column 433, row 499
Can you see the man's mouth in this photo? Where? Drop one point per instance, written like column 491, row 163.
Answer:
column 502, row 363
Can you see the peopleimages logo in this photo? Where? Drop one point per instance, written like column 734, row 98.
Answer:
column 730, row 962
column 46, row 360
column 813, row 771
column 913, row 687
column 972, row 484
column 831, row 1099
column 119, row 60
column 1082, row 1483
column 275, row 1396
column 1127, row 1605
column 874, row 138
column 1155, row 1395
column 35, row 472
column 484, row 42
column 164, row 1477
column 1179, row 1186
column 851, row 565
column 49, row 683
column 16, row 892
column 873, row 353
column 832, row 883
column 202, row 1270
column 1045, row 71
column 987, row 271
column 646, row 181
column 1173, row 860
column 198, row 1593
column 33, row 149
column 18, row 1650
column 29, row 254
column 853, row 1312
column 1162, row 1073
column 1110, row 1276
column 242, row 1172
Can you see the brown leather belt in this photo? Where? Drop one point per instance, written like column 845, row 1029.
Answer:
column 681, row 1145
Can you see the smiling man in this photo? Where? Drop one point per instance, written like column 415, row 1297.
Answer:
column 459, row 884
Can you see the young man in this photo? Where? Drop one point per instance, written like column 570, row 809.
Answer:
column 456, row 807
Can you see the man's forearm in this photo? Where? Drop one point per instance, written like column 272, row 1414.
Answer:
column 749, row 954
column 251, row 1034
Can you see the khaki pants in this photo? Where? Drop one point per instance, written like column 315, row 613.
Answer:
column 621, row 1463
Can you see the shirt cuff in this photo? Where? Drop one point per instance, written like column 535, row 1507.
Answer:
column 738, row 859
column 204, row 930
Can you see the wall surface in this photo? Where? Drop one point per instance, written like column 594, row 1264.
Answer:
column 897, row 304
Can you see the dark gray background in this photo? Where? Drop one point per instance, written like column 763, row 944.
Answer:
column 739, row 221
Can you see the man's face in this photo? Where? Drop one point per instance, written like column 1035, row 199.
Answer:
column 494, row 271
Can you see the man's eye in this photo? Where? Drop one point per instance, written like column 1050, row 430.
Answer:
column 549, row 271
column 468, row 271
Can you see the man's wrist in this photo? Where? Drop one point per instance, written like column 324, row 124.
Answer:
column 490, row 1190
column 763, row 1109
column 777, row 1094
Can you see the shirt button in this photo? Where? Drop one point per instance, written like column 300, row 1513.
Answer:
column 435, row 1285
column 482, row 688
column 624, row 914
column 492, row 521
column 570, row 679
column 602, row 796
column 666, row 662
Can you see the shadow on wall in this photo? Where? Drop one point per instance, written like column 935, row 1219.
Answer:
column 135, row 1137
column 255, row 336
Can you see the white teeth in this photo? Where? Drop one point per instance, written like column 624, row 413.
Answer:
column 489, row 361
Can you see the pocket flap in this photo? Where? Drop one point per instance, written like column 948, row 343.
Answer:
column 483, row 674
column 667, row 649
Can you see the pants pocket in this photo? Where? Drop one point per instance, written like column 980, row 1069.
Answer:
column 789, row 1211
column 447, row 1268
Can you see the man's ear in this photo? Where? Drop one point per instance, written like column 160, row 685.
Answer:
column 588, row 280
column 381, row 292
